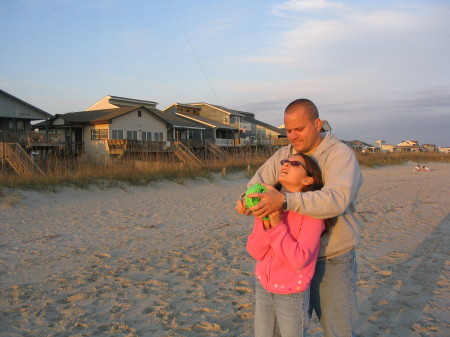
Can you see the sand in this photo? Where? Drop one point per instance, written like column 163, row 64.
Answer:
column 170, row 259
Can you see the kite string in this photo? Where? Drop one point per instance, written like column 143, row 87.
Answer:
column 193, row 52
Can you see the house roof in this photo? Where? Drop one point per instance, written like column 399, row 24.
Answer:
column 98, row 116
column 105, row 116
column 182, row 105
column 94, row 116
column 179, row 122
column 206, row 121
column 265, row 125
column 18, row 100
column 224, row 109
column 356, row 143
column 131, row 100
column 122, row 101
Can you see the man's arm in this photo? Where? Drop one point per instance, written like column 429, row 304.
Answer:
column 342, row 177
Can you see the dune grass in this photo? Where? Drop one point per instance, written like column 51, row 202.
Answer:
column 83, row 172
column 387, row 158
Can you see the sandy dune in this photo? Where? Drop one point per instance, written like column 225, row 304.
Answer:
column 170, row 260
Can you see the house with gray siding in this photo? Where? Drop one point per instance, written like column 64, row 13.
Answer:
column 16, row 117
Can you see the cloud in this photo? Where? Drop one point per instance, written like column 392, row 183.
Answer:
column 346, row 37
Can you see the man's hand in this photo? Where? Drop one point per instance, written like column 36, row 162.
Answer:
column 271, row 201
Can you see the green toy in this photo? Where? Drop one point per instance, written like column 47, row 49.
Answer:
column 257, row 188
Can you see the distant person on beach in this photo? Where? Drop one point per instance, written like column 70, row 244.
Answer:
column 425, row 168
column 286, row 248
column 333, row 288
column 417, row 168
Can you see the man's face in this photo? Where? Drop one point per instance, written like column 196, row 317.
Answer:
column 302, row 132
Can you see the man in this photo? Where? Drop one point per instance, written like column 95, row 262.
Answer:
column 333, row 288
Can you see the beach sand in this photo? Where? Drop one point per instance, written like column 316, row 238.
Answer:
column 170, row 259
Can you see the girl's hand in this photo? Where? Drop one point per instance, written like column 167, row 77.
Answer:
column 275, row 218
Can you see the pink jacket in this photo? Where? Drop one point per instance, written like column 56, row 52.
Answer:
column 286, row 255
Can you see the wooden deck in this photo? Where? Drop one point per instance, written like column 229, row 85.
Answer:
column 19, row 159
column 32, row 139
column 122, row 146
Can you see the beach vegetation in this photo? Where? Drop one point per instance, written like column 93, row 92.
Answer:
column 83, row 172
column 378, row 159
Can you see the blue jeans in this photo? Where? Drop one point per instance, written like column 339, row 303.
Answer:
column 289, row 312
column 333, row 295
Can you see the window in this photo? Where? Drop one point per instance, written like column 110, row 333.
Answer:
column 132, row 134
column 99, row 134
column 188, row 134
column 159, row 136
column 221, row 134
column 20, row 126
column 117, row 134
column 139, row 113
column 146, row 136
column 234, row 119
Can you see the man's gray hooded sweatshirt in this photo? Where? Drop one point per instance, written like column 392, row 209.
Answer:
column 342, row 180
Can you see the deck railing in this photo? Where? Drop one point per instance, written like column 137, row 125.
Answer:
column 120, row 146
column 30, row 138
column 19, row 160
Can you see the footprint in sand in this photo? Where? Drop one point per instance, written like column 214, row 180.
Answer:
column 118, row 228
column 103, row 256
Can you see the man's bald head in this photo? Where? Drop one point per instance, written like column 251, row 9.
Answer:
column 306, row 105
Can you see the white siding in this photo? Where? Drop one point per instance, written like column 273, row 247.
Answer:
column 95, row 147
column 128, row 122
column 58, row 121
column 131, row 122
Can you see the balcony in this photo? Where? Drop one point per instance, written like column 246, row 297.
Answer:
column 121, row 146
column 31, row 138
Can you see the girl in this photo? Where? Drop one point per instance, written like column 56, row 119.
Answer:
column 286, row 248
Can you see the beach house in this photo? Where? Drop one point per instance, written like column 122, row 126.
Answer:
column 408, row 146
column 95, row 132
column 233, row 127
column 16, row 117
column 17, row 138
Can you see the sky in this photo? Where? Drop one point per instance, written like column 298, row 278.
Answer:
column 376, row 69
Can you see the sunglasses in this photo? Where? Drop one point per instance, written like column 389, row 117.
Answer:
column 294, row 163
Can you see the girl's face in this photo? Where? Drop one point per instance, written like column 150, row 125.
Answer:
column 293, row 175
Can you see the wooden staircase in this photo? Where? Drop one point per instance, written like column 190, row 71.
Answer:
column 186, row 155
column 19, row 159
column 217, row 150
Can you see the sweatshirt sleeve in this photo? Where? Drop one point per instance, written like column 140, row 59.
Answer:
column 296, row 250
column 257, row 244
column 342, row 178
column 340, row 172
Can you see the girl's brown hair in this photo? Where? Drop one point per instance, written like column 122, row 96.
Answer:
column 313, row 171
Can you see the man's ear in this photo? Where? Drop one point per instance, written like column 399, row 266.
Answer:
column 318, row 124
